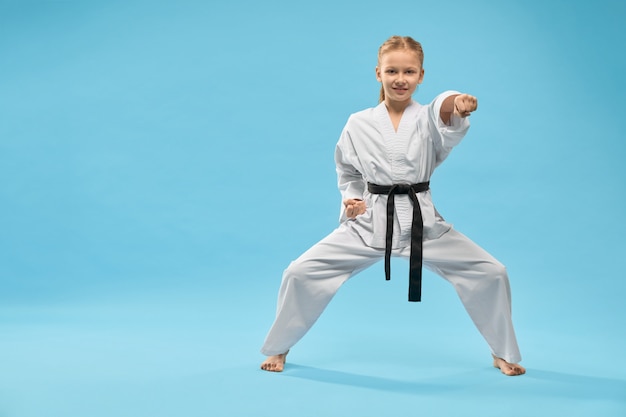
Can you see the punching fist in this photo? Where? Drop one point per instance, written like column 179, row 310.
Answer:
column 354, row 207
column 464, row 104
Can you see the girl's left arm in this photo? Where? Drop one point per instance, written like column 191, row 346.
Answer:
column 461, row 105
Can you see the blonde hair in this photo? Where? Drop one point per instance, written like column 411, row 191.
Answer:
column 396, row 43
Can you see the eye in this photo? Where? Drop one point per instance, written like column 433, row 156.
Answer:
column 390, row 71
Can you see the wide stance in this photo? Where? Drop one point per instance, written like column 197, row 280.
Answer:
column 311, row 281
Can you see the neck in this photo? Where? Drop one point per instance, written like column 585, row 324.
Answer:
column 396, row 110
column 397, row 107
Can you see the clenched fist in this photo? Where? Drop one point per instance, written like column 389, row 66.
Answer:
column 354, row 207
column 464, row 104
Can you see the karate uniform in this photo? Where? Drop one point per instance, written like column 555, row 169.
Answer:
column 370, row 150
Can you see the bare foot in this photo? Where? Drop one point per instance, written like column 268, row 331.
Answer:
column 510, row 369
column 275, row 363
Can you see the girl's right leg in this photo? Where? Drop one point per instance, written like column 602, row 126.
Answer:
column 311, row 281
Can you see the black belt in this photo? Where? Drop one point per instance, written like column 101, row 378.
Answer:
column 417, row 232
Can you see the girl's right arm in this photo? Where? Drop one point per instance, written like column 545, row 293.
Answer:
column 349, row 179
column 354, row 207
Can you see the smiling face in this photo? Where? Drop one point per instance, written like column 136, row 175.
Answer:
column 400, row 72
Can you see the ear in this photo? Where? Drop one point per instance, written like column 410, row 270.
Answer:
column 421, row 77
column 378, row 75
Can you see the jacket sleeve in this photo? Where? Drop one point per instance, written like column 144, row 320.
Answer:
column 446, row 137
column 349, row 179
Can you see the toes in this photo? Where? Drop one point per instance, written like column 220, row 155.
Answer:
column 511, row 370
column 272, row 367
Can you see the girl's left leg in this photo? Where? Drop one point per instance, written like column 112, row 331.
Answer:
column 482, row 284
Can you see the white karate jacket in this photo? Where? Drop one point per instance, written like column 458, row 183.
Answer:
column 370, row 150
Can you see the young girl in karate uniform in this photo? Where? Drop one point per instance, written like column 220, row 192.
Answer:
column 385, row 158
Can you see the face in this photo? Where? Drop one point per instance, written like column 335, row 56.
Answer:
column 400, row 72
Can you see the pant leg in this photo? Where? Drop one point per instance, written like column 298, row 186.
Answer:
column 482, row 284
column 311, row 281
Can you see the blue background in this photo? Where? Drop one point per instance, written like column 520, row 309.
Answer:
column 162, row 162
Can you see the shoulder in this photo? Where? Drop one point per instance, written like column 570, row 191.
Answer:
column 366, row 118
column 360, row 124
column 362, row 116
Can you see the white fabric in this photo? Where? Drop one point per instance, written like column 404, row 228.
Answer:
column 369, row 150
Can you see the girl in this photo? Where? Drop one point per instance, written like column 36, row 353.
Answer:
column 385, row 158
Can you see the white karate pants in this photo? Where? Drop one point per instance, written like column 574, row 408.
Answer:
column 311, row 281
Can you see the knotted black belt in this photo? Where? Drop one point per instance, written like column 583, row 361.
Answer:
column 417, row 232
